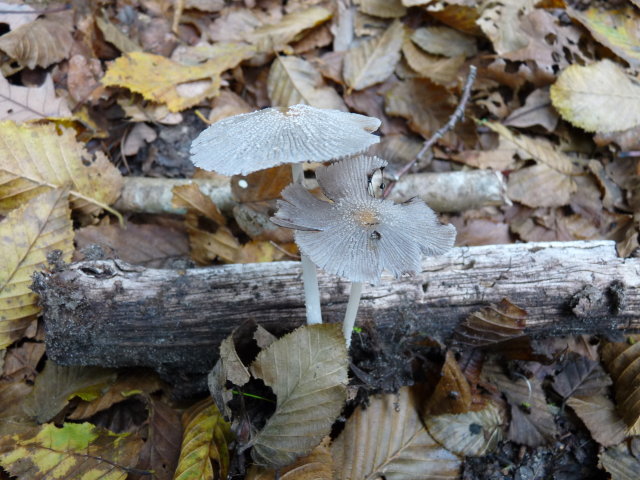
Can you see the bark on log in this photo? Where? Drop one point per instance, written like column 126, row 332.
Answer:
column 109, row 313
column 444, row 192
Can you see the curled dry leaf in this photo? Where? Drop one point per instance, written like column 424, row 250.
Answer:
column 443, row 71
column 622, row 359
column 318, row 465
column 388, row 439
column 21, row 104
column 205, row 444
column 471, row 433
column 31, row 231
column 452, row 393
column 293, row 80
column 374, row 60
column 36, row 158
column 41, row 43
column 617, row 29
column 598, row 97
column 307, row 370
column 84, row 449
column 277, row 36
column 599, row 415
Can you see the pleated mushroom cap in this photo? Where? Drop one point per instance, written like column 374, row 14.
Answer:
column 356, row 235
column 274, row 136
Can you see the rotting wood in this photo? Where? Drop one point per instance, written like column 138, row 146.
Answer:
column 109, row 313
column 444, row 192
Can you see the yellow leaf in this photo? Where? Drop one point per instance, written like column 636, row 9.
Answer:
column 35, row 158
column 618, row 30
column 75, row 450
column 162, row 80
column 21, row 104
column 276, row 37
column 374, row 60
column 598, row 98
column 28, row 233
column 41, row 43
column 205, row 445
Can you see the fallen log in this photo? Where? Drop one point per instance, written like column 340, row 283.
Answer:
column 114, row 314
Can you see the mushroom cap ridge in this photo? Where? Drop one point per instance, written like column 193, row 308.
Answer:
column 274, row 136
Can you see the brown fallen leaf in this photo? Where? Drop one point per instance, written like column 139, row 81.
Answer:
column 581, row 377
column 20, row 362
column 41, row 43
column 537, row 110
column 21, row 104
column 444, row 41
column 452, row 393
column 540, row 186
column 318, row 465
column 501, row 23
column 382, row 8
column 440, row 70
column 599, row 415
column 620, row 463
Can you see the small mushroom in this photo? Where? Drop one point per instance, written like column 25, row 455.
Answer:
column 274, row 136
column 357, row 235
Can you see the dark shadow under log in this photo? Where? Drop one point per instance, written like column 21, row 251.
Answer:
column 113, row 314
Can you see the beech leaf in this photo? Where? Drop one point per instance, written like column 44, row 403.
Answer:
column 41, row 43
column 598, row 97
column 471, row 433
column 205, row 444
column 162, row 80
column 29, row 232
column 382, row 8
column 388, row 439
column 581, row 376
column 35, row 158
column 599, row 415
column 84, row 449
column 21, row 104
column 318, row 465
column 374, row 60
column 620, row 463
column 293, row 80
column 307, row 370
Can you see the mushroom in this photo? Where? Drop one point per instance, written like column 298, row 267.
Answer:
column 274, row 136
column 356, row 234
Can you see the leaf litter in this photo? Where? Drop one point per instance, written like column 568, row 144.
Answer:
column 123, row 91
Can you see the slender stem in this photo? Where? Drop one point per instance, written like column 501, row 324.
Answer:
column 309, row 273
column 352, row 311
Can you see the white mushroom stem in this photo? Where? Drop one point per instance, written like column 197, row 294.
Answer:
column 309, row 272
column 352, row 311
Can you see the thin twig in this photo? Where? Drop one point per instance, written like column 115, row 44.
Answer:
column 455, row 117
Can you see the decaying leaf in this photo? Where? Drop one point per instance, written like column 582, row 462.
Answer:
column 161, row 449
column 307, row 370
column 532, row 423
column 492, row 326
column 81, row 448
column 205, row 445
column 444, row 41
column 452, row 393
column 30, row 232
column 471, row 433
column 622, row 359
column 620, row 463
column 36, row 158
column 56, row 385
column 388, row 439
column 261, row 185
column 162, row 80
column 581, row 377
column 41, row 43
column 382, row 8
column 599, row 415
column 276, row 37
column 500, row 21
column 598, row 97
column 425, row 105
column 617, row 29
column 441, row 70
column 20, row 362
column 21, row 104
column 293, row 80
column 318, row 465
column 540, row 186
column 537, row 110
column 373, row 60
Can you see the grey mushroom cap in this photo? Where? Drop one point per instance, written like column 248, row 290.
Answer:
column 355, row 235
column 274, row 136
